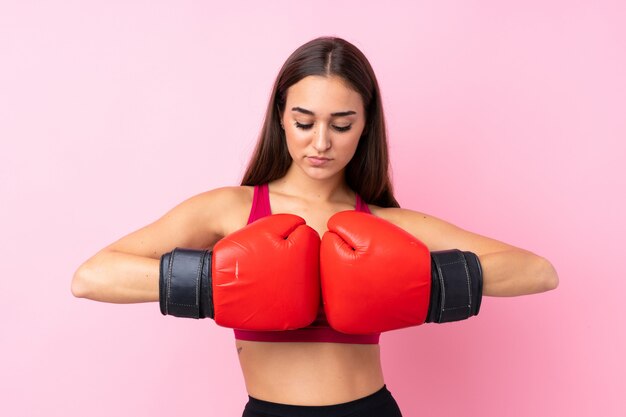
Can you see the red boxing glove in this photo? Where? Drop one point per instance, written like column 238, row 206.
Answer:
column 266, row 275
column 377, row 277
column 262, row 277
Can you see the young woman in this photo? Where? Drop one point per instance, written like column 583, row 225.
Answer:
column 322, row 150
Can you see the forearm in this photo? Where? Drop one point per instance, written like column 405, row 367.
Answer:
column 117, row 277
column 516, row 272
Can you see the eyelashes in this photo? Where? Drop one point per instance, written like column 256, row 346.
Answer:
column 307, row 127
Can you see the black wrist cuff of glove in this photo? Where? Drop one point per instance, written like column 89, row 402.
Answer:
column 457, row 286
column 185, row 286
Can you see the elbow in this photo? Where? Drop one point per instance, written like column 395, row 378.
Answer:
column 80, row 283
column 549, row 276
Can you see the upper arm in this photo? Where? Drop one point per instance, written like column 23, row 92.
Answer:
column 195, row 223
column 438, row 234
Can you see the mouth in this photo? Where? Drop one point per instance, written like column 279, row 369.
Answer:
column 315, row 161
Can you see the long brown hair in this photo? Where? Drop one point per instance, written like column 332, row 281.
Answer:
column 367, row 173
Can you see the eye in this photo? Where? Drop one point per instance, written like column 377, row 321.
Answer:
column 338, row 128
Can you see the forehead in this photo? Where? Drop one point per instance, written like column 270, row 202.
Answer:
column 324, row 95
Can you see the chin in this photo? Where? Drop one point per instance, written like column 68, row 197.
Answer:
column 321, row 174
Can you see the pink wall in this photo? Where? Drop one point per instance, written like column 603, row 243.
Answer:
column 505, row 119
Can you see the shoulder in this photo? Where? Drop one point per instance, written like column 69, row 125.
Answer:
column 231, row 197
column 221, row 198
column 235, row 194
column 221, row 208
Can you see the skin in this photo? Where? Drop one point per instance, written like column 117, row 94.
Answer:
column 300, row 373
column 314, row 373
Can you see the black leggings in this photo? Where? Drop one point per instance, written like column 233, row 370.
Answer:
column 379, row 404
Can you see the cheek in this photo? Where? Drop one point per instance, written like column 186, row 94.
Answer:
column 294, row 141
column 350, row 145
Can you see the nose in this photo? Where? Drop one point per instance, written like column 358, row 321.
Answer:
column 321, row 139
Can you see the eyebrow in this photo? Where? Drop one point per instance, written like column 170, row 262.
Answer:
column 337, row 114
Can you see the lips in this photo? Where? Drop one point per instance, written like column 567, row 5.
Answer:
column 315, row 161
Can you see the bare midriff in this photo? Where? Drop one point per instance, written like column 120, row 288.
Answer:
column 305, row 373
column 310, row 373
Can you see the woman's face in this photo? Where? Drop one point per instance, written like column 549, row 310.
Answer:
column 323, row 119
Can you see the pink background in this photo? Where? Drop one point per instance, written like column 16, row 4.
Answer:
column 505, row 118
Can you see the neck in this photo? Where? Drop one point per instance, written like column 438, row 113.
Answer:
column 297, row 183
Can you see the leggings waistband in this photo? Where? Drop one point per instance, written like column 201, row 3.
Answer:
column 382, row 397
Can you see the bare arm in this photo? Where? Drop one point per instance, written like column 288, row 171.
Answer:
column 127, row 271
column 507, row 270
